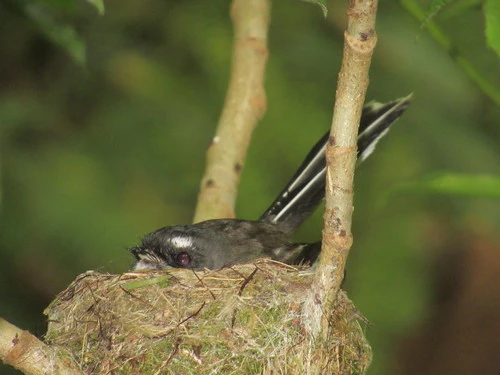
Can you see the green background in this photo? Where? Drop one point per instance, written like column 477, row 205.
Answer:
column 94, row 157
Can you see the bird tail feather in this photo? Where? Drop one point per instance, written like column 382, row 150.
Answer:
column 306, row 189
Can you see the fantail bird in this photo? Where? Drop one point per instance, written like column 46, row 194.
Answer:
column 217, row 243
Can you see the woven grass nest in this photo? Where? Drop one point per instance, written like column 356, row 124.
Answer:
column 246, row 319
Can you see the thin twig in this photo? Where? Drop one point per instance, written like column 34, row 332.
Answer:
column 136, row 297
column 445, row 42
column 205, row 285
column 247, row 280
column 244, row 106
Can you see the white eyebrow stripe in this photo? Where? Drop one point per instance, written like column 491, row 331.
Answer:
column 181, row 242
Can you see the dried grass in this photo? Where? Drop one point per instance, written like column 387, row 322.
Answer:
column 241, row 320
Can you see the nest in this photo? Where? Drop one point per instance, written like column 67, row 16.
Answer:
column 246, row 319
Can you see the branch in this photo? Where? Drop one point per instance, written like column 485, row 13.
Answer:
column 360, row 40
column 244, row 106
column 26, row 353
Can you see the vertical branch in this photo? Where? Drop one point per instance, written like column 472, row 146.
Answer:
column 244, row 106
column 360, row 40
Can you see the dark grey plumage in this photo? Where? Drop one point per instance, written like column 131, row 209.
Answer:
column 218, row 243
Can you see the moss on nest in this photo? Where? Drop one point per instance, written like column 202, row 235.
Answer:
column 241, row 320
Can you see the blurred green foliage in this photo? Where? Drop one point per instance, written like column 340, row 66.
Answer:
column 492, row 20
column 93, row 158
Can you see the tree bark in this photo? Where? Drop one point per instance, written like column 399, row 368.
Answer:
column 244, row 106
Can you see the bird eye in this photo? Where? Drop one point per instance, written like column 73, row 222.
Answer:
column 183, row 259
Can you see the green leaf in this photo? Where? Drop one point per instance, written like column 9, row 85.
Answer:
column 146, row 282
column 492, row 17
column 99, row 5
column 480, row 186
column 63, row 35
column 321, row 4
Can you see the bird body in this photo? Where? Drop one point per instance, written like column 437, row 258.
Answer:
column 217, row 243
column 242, row 241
